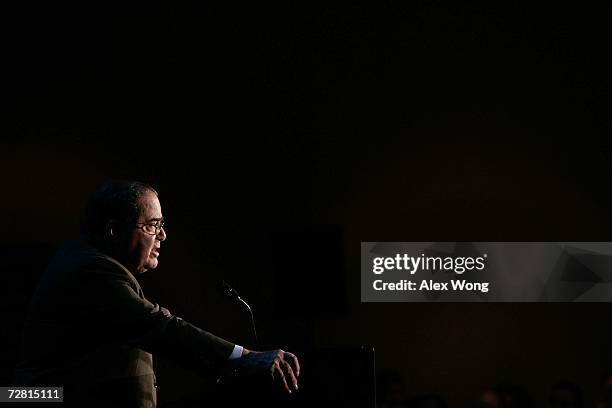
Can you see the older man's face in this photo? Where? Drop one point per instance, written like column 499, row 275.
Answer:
column 143, row 248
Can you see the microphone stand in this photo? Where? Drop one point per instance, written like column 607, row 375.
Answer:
column 231, row 292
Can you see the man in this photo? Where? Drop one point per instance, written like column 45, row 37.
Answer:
column 90, row 328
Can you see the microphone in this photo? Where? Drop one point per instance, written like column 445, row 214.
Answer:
column 232, row 293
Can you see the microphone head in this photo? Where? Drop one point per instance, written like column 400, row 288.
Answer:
column 228, row 290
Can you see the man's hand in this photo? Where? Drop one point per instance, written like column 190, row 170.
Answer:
column 284, row 367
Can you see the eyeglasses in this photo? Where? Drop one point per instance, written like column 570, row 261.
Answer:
column 152, row 228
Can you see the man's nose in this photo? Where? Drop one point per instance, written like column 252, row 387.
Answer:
column 162, row 234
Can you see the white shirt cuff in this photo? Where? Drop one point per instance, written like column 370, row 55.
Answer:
column 236, row 353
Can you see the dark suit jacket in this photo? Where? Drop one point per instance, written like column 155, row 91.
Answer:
column 91, row 330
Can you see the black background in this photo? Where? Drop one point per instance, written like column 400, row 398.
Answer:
column 279, row 137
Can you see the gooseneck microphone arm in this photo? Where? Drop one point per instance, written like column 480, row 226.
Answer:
column 231, row 292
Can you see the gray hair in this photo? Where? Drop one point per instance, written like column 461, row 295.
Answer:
column 113, row 201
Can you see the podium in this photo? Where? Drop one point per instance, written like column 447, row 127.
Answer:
column 330, row 378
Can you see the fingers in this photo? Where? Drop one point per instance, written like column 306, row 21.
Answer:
column 296, row 364
column 282, row 370
column 277, row 370
column 292, row 377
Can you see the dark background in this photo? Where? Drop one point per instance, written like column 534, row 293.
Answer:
column 279, row 138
